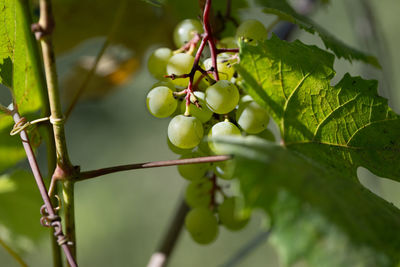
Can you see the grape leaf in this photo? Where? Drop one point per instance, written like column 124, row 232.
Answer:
column 342, row 127
column 282, row 9
column 19, row 210
column 327, row 132
column 317, row 215
column 20, row 72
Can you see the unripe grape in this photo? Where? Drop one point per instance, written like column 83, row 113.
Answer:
column 225, row 169
column 165, row 83
column 204, row 114
column 267, row 135
column 185, row 132
column 228, row 42
column 224, row 128
column 180, row 64
column 202, row 225
column 245, row 98
column 252, row 31
column 224, row 65
column 251, row 117
column 161, row 102
column 185, row 31
column 193, row 171
column 198, row 193
column 222, row 97
column 176, row 149
column 228, row 215
column 157, row 63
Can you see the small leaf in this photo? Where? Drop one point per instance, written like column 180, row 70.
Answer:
column 20, row 204
column 283, row 10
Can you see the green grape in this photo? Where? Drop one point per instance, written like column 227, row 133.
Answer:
column 267, row 135
column 227, row 213
column 202, row 225
column 198, row 193
column 222, row 97
column 244, row 99
column 224, row 65
column 203, row 146
column 185, row 31
column 176, row 149
column 252, row 118
column 224, row 128
column 252, row 31
column 180, row 64
column 165, row 83
column 161, row 102
column 204, row 114
column 193, row 171
column 225, row 169
column 157, row 63
column 228, row 42
column 185, row 132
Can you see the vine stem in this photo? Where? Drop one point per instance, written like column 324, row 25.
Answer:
column 43, row 192
column 206, row 38
column 95, row 173
column 13, row 254
column 64, row 170
column 161, row 257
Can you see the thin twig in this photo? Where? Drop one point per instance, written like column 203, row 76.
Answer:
column 161, row 257
column 13, row 253
column 96, row 173
column 62, row 241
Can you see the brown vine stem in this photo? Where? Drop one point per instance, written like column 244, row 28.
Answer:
column 64, row 170
column 161, row 257
column 13, row 254
column 47, row 130
column 96, row 173
column 43, row 192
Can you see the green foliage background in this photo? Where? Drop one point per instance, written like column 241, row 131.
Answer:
column 130, row 211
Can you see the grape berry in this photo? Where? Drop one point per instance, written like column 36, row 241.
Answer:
column 204, row 108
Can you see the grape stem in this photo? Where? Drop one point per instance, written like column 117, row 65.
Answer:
column 58, row 232
column 206, row 38
column 154, row 164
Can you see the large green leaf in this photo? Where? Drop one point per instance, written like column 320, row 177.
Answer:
column 327, row 132
column 20, row 72
column 342, row 127
column 282, row 9
column 317, row 215
column 19, row 210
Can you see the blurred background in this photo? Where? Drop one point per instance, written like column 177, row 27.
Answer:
column 121, row 217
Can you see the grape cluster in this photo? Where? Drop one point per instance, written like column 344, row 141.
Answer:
column 205, row 101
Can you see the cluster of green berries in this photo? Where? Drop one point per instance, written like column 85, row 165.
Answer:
column 210, row 109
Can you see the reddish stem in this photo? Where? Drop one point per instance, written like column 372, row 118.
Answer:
column 227, row 50
column 58, row 232
column 95, row 173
